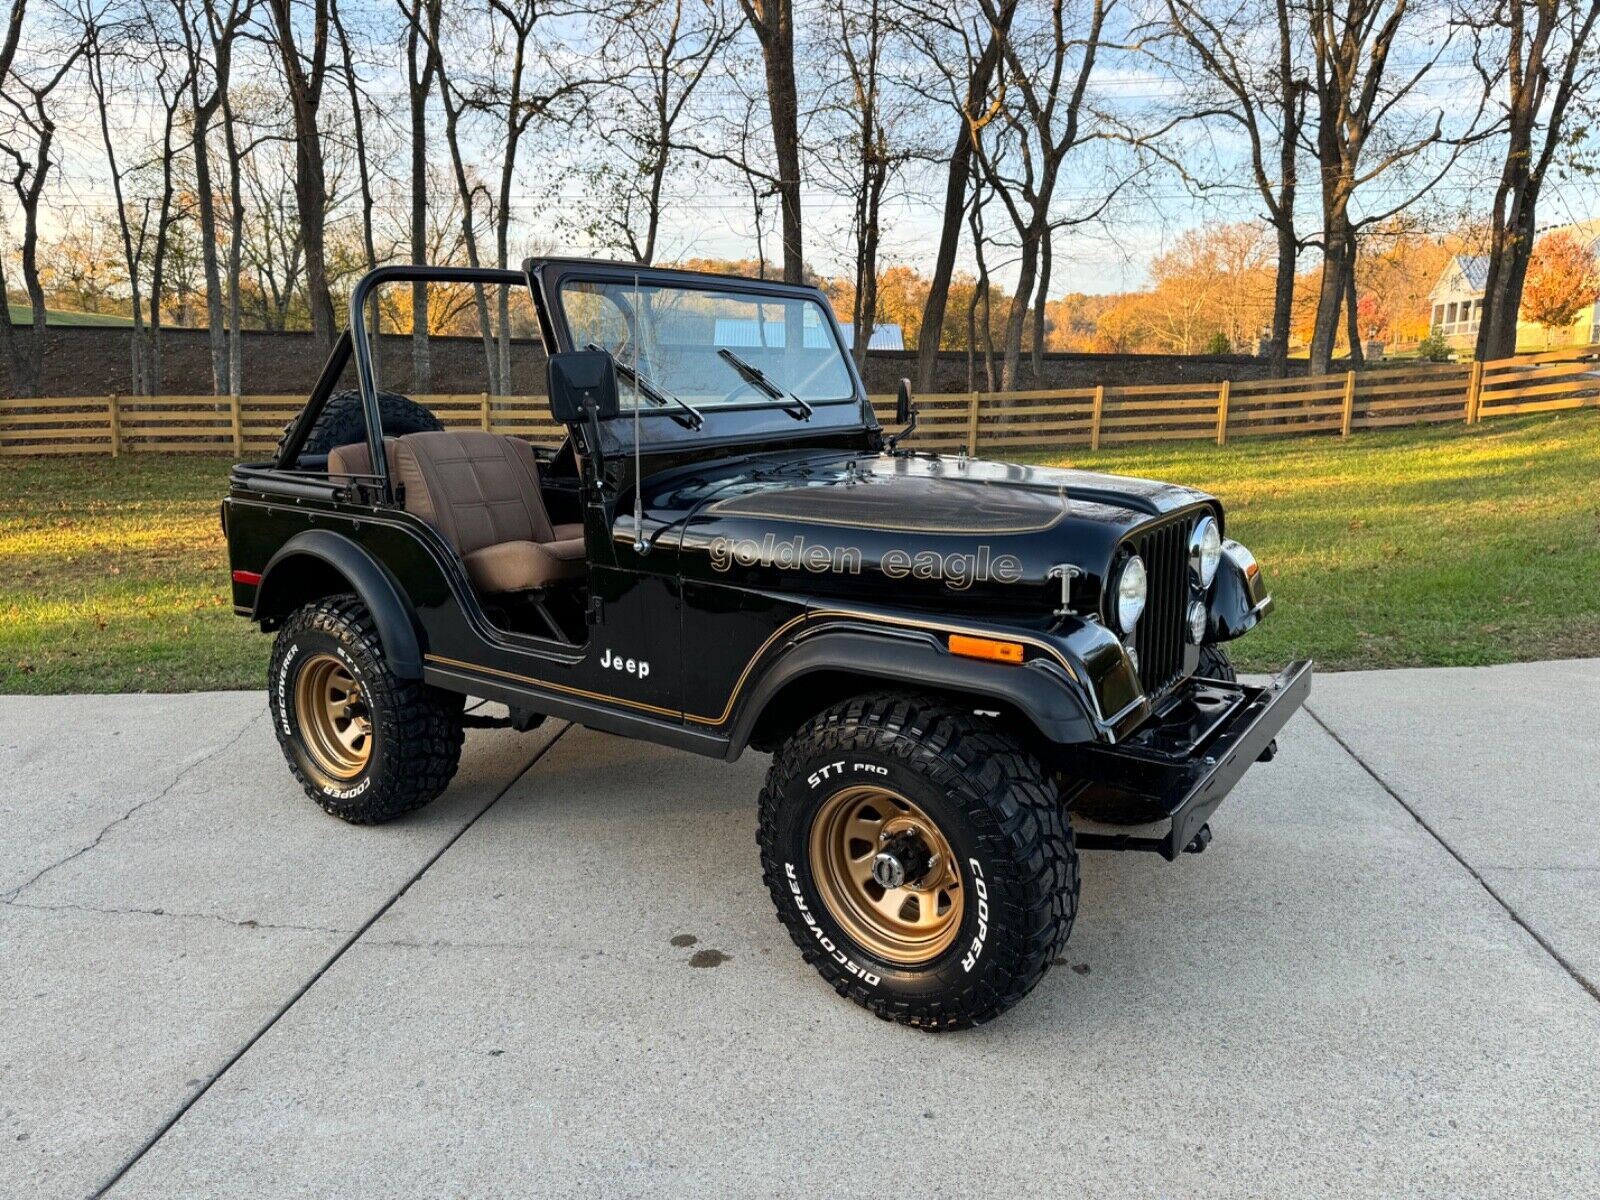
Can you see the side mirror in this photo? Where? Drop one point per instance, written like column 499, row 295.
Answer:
column 583, row 383
column 902, row 403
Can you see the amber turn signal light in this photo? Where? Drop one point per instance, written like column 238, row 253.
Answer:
column 976, row 647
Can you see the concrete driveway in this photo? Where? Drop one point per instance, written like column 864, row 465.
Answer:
column 565, row 979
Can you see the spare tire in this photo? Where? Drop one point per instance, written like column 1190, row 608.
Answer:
column 342, row 422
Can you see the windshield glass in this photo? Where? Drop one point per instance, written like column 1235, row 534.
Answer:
column 709, row 347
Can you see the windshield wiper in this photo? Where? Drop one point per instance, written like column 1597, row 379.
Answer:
column 653, row 393
column 756, row 377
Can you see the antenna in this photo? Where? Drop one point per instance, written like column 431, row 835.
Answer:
column 640, row 546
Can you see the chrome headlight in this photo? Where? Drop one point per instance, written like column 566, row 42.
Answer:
column 1133, row 586
column 1205, row 551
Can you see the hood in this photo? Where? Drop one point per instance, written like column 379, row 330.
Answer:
column 868, row 516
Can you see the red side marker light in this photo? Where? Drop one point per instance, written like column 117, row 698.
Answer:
column 248, row 578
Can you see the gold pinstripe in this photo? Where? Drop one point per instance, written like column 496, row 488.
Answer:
column 744, row 675
column 842, row 522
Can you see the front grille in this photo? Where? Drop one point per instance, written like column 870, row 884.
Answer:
column 1160, row 635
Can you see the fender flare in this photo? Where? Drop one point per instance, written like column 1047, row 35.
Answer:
column 397, row 625
column 1042, row 692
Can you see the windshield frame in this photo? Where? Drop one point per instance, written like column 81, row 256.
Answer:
column 550, row 276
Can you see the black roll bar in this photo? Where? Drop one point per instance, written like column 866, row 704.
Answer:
column 366, row 380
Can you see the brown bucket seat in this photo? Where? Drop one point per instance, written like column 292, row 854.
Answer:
column 481, row 492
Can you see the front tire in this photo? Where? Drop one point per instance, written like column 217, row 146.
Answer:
column 366, row 745
column 980, row 889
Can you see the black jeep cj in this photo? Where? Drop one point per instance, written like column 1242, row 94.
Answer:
column 947, row 658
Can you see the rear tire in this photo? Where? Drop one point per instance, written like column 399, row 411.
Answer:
column 366, row 745
column 993, row 888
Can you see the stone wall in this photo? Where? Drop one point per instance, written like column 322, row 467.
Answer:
column 94, row 361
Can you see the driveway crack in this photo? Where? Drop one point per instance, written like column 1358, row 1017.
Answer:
column 1544, row 943
column 238, row 923
column 352, row 939
column 11, row 896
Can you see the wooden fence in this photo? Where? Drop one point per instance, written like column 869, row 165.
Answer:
column 994, row 423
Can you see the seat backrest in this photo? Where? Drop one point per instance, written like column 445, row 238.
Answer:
column 477, row 489
column 346, row 462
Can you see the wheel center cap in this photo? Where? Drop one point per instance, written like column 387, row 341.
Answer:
column 902, row 862
column 888, row 871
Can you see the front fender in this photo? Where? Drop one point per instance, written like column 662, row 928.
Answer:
column 1056, row 704
column 289, row 580
column 1239, row 597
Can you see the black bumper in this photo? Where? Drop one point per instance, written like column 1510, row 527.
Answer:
column 1184, row 761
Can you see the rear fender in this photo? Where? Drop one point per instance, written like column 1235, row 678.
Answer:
column 302, row 570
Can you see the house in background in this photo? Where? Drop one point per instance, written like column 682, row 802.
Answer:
column 1457, row 300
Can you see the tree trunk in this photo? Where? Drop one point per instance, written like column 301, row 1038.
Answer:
column 1330, row 296
column 235, row 254
column 1283, row 301
column 420, row 86
column 1042, row 296
column 786, row 145
column 1352, row 314
column 773, row 21
column 1017, row 317
column 955, row 196
column 205, row 203
column 310, row 180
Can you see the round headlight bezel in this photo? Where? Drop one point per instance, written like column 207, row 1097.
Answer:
column 1205, row 551
column 1126, row 599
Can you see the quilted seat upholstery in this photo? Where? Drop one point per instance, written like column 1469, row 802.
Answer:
column 481, row 492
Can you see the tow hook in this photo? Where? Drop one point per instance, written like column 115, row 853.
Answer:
column 1202, row 839
column 1270, row 753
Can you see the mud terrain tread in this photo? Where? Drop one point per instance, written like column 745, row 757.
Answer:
column 1014, row 812
column 423, row 733
column 342, row 421
column 1215, row 664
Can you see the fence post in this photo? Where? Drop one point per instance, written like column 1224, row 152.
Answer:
column 1474, row 391
column 1223, row 392
column 236, row 405
column 114, row 413
column 1349, row 403
column 1094, row 419
column 972, row 425
column 484, row 398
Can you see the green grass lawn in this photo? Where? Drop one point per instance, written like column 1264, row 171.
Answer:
column 1440, row 546
column 22, row 314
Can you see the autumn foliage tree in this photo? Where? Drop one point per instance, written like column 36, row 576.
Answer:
column 1563, row 280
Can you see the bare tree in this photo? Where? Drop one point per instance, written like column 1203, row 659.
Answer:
column 134, row 55
column 860, row 35
column 1543, row 47
column 419, row 14
column 773, row 22
column 358, row 128
column 1265, row 100
column 210, row 31
column 469, row 191
column 673, row 43
column 974, row 109
column 1366, row 128
column 526, row 83
column 28, row 147
column 1043, row 120
column 305, row 72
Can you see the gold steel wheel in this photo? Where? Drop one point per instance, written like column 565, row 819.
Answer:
column 331, row 711
column 887, row 874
